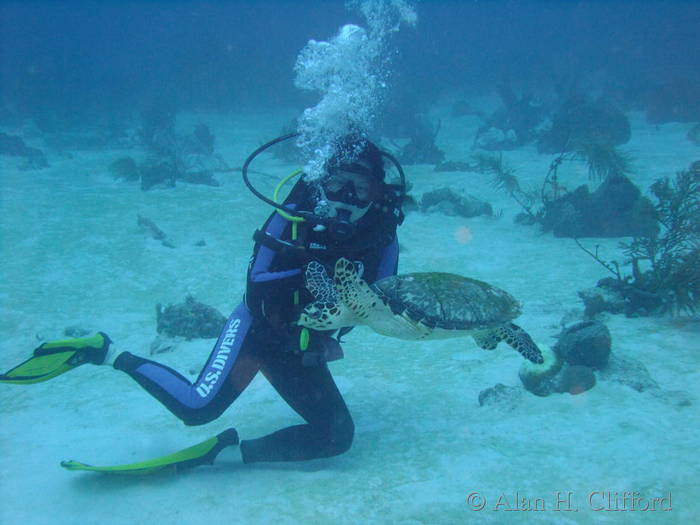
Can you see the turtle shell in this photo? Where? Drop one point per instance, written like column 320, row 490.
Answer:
column 447, row 300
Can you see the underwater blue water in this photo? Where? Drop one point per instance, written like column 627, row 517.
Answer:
column 88, row 58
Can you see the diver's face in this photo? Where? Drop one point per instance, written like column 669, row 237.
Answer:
column 357, row 189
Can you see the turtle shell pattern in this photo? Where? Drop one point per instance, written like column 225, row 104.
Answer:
column 447, row 301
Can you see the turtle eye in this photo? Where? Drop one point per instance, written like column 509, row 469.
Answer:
column 314, row 313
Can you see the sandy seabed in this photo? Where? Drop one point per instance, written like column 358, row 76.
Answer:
column 424, row 450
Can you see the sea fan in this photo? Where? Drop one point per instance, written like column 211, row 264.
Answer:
column 604, row 160
column 674, row 254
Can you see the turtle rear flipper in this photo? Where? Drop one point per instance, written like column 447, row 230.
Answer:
column 487, row 339
column 515, row 336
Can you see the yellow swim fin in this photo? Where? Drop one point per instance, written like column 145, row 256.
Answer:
column 200, row 454
column 54, row 358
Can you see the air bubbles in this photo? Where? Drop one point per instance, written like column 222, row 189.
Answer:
column 350, row 72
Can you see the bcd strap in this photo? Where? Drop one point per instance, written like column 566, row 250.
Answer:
column 278, row 245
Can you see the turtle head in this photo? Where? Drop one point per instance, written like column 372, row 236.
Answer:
column 321, row 315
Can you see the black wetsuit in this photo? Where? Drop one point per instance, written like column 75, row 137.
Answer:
column 261, row 335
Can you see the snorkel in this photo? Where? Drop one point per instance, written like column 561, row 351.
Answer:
column 339, row 224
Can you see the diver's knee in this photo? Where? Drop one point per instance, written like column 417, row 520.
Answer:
column 197, row 417
column 342, row 435
column 195, row 420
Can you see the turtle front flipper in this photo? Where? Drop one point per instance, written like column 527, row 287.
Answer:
column 326, row 312
column 353, row 291
column 512, row 334
column 319, row 284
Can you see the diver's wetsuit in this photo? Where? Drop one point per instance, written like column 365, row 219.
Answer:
column 261, row 336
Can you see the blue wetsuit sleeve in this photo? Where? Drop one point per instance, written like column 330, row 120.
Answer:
column 260, row 267
column 259, row 275
column 389, row 262
column 269, row 292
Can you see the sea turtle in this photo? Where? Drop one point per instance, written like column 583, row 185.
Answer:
column 429, row 305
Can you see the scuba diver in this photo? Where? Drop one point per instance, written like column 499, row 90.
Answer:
column 353, row 213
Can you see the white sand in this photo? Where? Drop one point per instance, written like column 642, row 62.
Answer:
column 73, row 255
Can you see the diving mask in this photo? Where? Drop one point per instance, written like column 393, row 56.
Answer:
column 353, row 186
column 345, row 198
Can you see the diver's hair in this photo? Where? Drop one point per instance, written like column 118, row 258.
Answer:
column 359, row 151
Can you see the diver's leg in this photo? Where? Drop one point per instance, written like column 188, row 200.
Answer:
column 312, row 393
column 230, row 368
